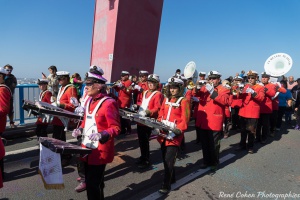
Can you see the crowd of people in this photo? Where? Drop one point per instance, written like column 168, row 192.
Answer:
column 244, row 102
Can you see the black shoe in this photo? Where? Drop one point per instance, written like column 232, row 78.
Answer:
column 164, row 190
column 213, row 168
column 144, row 165
column 203, row 166
column 138, row 161
column 263, row 141
column 250, row 151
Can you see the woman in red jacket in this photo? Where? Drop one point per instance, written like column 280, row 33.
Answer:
column 5, row 96
column 100, row 125
column 175, row 112
column 45, row 96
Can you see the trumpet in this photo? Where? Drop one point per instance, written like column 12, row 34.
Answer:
column 114, row 84
column 191, row 85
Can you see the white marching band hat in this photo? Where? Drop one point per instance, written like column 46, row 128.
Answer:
column 42, row 81
column 175, row 81
column 237, row 78
column 96, row 69
column 124, row 73
column 202, row 73
column 143, row 72
column 252, row 73
column 153, row 78
column 63, row 73
column 3, row 71
column 214, row 74
column 265, row 74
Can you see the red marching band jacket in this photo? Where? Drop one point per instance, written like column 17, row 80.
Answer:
column 124, row 95
column 275, row 102
column 154, row 104
column 251, row 103
column 70, row 91
column 266, row 104
column 180, row 115
column 211, row 112
column 107, row 118
column 5, row 96
column 45, row 96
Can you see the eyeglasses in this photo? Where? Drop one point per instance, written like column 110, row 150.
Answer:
column 251, row 78
column 9, row 70
column 213, row 78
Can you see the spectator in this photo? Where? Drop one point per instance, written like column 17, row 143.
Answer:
column 11, row 82
column 77, row 82
column 285, row 104
column 291, row 83
column 53, row 81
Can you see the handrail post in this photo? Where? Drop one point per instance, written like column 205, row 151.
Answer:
column 21, row 111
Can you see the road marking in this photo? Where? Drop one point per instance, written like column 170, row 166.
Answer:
column 29, row 149
column 186, row 179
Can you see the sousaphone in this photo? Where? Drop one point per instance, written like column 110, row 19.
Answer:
column 278, row 64
column 190, row 71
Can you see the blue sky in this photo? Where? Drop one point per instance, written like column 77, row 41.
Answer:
column 223, row 35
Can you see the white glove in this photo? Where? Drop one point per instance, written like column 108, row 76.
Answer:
column 76, row 132
column 95, row 136
column 134, row 107
column 54, row 104
column 119, row 84
column 79, row 110
column 278, row 83
column 74, row 101
column 137, row 87
column 155, row 131
column 198, row 87
column 142, row 113
column 170, row 136
column 249, row 90
column 209, row 88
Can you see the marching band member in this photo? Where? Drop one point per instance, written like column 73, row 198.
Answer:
column 202, row 75
column 175, row 112
column 263, row 125
column 210, row 117
column 275, row 107
column 142, row 84
column 5, row 96
column 124, row 99
column 100, row 125
column 65, row 93
column 227, row 120
column 45, row 96
column 252, row 95
column 236, row 102
column 148, row 106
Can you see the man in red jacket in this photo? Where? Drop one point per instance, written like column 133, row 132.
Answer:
column 252, row 95
column 124, row 99
column 213, row 97
column 5, row 96
column 266, row 109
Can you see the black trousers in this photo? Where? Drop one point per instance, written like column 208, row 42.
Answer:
column 169, row 155
column 273, row 120
column 210, row 141
column 80, row 163
column 41, row 130
column 248, row 128
column 144, row 133
column 263, row 126
column 235, row 117
column 281, row 112
column 125, row 125
column 94, row 181
column 59, row 132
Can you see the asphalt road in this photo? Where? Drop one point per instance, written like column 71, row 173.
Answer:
column 272, row 171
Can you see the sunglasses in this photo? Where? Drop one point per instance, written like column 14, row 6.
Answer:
column 61, row 78
column 9, row 70
column 89, row 84
column 213, row 78
column 265, row 76
column 251, row 77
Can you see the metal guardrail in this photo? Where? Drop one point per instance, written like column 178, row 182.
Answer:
column 29, row 92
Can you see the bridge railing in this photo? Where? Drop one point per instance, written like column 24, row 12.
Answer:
column 29, row 92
